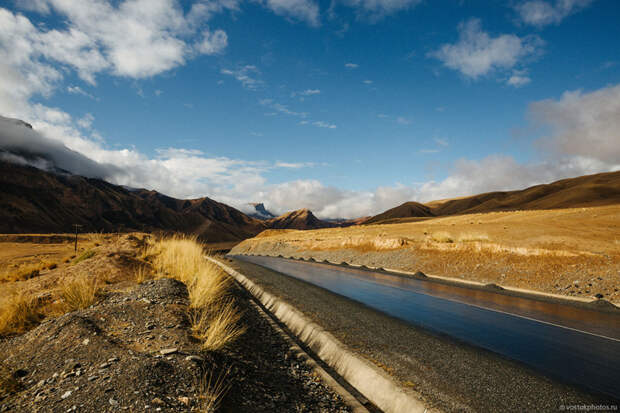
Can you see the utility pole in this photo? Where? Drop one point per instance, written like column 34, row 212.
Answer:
column 76, row 226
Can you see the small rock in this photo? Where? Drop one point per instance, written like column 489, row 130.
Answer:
column 104, row 365
column 184, row 400
column 167, row 351
column 195, row 359
column 112, row 360
column 86, row 341
column 66, row 394
column 93, row 378
column 158, row 401
column 112, row 402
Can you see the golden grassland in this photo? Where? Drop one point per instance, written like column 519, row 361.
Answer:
column 41, row 276
column 572, row 252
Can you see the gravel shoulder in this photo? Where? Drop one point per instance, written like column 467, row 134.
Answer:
column 448, row 375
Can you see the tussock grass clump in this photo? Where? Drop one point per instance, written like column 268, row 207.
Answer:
column 79, row 292
column 215, row 318
column 212, row 389
column 218, row 327
column 19, row 311
column 142, row 274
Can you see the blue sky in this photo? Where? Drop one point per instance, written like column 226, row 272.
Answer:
column 346, row 107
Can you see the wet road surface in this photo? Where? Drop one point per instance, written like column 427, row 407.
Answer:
column 576, row 345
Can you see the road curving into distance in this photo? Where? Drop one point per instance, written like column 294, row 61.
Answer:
column 572, row 344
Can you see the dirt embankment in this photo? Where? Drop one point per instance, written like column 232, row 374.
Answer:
column 134, row 349
column 572, row 252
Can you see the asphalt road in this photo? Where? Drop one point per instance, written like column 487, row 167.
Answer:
column 456, row 355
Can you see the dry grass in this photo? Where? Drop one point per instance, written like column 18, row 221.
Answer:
column 26, row 271
column 212, row 389
column 217, row 327
column 79, row 292
column 215, row 319
column 142, row 273
column 88, row 254
column 441, row 236
column 472, row 237
column 19, row 311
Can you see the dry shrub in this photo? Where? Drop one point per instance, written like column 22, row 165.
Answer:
column 211, row 391
column 79, row 292
column 19, row 311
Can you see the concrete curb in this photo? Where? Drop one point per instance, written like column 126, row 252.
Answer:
column 366, row 378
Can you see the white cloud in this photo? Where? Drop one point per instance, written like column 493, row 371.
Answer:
column 310, row 92
column 294, row 165
column 375, row 10
column 321, row 124
column 441, row 142
column 428, row 150
column 86, row 121
column 518, row 78
column 281, row 108
column 582, row 124
column 131, row 38
column 212, row 42
column 541, row 13
column 477, row 53
column 351, row 65
column 244, row 75
column 367, row 82
column 76, row 90
column 403, row 120
column 303, row 10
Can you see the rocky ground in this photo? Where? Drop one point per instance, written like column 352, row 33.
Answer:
column 133, row 351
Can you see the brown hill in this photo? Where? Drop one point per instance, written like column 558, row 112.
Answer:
column 584, row 191
column 300, row 219
column 35, row 201
column 406, row 210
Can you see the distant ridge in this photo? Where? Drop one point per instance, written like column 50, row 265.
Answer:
column 584, row 191
column 300, row 219
column 408, row 209
column 36, row 201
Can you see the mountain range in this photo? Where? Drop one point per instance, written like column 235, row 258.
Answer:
column 38, row 196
